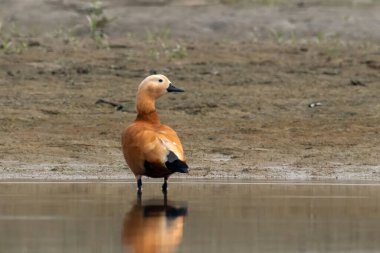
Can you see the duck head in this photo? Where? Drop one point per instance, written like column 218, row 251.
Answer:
column 152, row 88
column 157, row 85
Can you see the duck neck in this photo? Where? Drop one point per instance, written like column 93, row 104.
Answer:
column 146, row 109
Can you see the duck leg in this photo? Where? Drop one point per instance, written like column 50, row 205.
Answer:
column 139, row 185
column 165, row 186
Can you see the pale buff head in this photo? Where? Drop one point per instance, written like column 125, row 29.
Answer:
column 150, row 89
column 155, row 86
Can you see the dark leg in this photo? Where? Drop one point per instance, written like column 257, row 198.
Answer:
column 165, row 186
column 139, row 185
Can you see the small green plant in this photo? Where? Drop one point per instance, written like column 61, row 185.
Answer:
column 277, row 36
column 9, row 42
column 161, row 35
column 320, row 37
column 13, row 47
column 163, row 46
column 97, row 22
column 5, row 44
column 20, row 46
column 178, row 52
column 155, row 54
column 170, row 53
column 66, row 35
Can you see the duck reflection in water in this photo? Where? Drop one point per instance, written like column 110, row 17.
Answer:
column 153, row 227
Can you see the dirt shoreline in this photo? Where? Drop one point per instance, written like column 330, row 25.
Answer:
column 277, row 108
column 16, row 171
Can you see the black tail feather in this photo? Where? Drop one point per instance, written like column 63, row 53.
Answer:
column 176, row 165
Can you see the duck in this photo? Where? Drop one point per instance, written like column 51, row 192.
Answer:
column 150, row 148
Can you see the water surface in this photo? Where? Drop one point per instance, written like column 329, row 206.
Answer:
column 196, row 217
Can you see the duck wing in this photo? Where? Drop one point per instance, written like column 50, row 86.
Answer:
column 155, row 153
column 175, row 159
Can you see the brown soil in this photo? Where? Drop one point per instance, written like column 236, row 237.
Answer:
column 247, row 111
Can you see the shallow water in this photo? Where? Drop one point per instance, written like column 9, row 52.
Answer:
column 198, row 217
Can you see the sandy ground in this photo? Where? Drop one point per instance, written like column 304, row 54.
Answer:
column 249, row 88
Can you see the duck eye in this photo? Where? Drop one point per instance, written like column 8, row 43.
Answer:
column 160, row 80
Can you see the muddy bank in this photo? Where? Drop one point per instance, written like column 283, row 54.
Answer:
column 296, row 108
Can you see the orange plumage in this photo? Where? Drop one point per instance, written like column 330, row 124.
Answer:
column 151, row 148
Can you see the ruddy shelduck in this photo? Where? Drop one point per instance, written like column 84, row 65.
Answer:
column 151, row 148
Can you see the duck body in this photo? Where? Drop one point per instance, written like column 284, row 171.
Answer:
column 150, row 148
